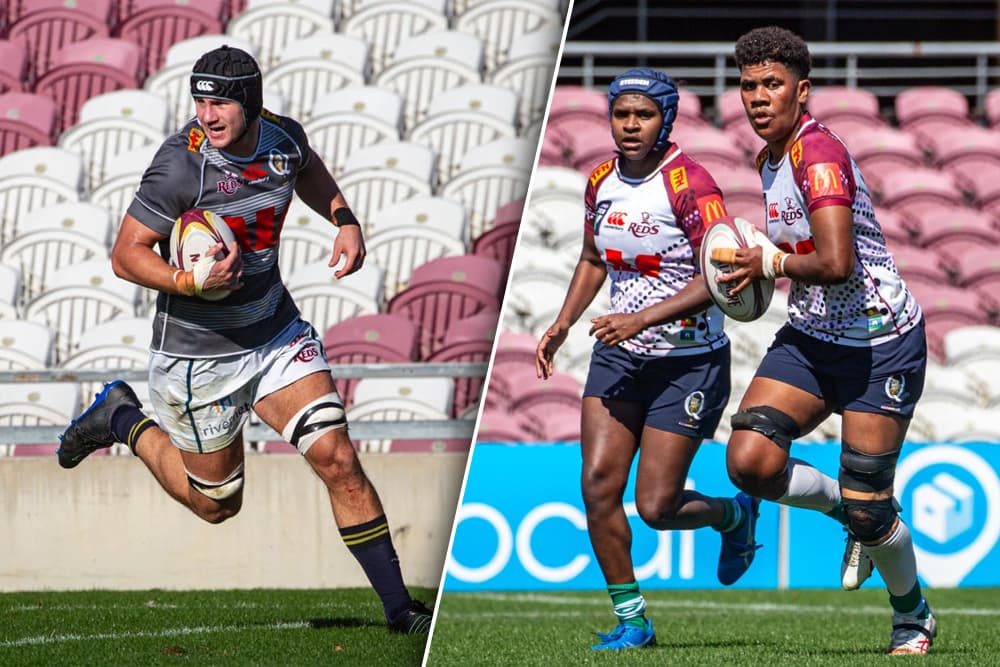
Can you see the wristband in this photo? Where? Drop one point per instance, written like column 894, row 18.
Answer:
column 778, row 264
column 185, row 282
column 343, row 217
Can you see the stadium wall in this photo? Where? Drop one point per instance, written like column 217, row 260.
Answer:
column 108, row 525
column 522, row 524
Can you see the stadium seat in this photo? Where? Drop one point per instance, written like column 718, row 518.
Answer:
column 306, row 237
column 119, row 343
column 40, row 253
column 500, row 23
column 528, row 71
column 160, row 23
column 77, row 298
column 370, row 339
column 271, row 28
column 971, row 342
column 920, row 192
column 537, row 398
column 469, row 339
column 956, row 231
column 498, row 243
column 45, row 26
column 385, row 25
column 924, row 111
column 483, row 190
column 26, row 345
column 741, row 186
column 399, row 399
column 709, row 147
column 977, row 266
column 351, row 119
column 489, row 115
column 428, row 64
column 10, row 292
column 505, row 428
column 849, row 112
column 401, row 250
column 34, row 178
column 444, row 216
column 882, row 151
column 325, row 300
column 992, row 107
column 121, row 179
column 26, row 120
column 38, row 404
column 973, row 156
column 81, row 70
column 732, row 117
column 483, row 273
column 896, row 231
column 924, row 265
column 13, row 67
column 100, row 141
column 317, row 66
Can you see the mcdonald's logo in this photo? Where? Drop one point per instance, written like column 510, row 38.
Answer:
column 195, row 137
column 711, row 209
column 796, row 153
column 678, row 179
column 824, row 179
column 601, row 171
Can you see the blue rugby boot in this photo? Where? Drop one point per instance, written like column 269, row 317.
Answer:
column 738, row 546
column 625, row 636
column 92, row 430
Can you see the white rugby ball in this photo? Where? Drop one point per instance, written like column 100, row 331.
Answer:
column 193, row 235
column 750, row 303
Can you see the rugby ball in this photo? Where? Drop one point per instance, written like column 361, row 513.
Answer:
column 193, row 235
column 752, row 301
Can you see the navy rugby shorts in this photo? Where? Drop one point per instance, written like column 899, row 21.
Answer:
column 681, row 394
column 884, row 379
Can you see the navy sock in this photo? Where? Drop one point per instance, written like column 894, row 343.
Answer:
column 128, row 423
column 371, row 544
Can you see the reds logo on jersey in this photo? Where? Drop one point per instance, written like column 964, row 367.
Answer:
column 824, row 180
column 229, row 184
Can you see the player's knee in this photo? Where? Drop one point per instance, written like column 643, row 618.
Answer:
column 334, row 458
column 754, row 470
column 315, row 420
column 218, row 513
column 658, row 507
column 601, row 483
column 863, row 478
column 775, row 425
column 215, row 502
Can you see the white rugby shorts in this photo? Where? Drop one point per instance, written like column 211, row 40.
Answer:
column 204, row 403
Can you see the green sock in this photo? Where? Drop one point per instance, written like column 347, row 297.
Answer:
column 838, row 513
column 911, row 604
column 732, row 515
column 630, row 606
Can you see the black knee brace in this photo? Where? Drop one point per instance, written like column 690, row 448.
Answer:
column 868, row 519
column 769, row 422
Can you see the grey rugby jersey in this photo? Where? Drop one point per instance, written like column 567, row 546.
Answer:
column 252, row 195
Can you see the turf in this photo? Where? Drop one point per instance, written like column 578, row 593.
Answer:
column 255, row 627
column 729, row 627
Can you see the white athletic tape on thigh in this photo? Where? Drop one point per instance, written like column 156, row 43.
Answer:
column 227, row 488
column 312, row 421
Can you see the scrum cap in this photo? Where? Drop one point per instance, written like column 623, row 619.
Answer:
column 656, row 86
column 228, row 73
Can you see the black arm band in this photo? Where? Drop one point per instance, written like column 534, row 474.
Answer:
column 343, row 217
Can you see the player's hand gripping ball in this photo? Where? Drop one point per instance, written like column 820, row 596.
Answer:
column 193, row 235
column 731, row 233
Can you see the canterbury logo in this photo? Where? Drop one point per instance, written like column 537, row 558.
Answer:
column 617, row 218
column 205, row 85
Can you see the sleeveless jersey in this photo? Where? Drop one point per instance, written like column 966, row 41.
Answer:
column 252, row 195
column 873, row 306
column 648, row 231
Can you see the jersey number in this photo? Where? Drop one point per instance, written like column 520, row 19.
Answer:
column 264, row 234
column 647, row 265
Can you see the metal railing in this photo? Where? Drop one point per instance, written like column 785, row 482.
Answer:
column 360, row 430
column 886, row 69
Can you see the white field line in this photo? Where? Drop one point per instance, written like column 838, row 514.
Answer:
column 151, row 604
column 170, row 632
column 703, row 605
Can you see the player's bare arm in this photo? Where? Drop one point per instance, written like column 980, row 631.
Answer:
column 588, row 277
column 831, row 262
column 320, row 192
column 133, row 258
column 614, row 328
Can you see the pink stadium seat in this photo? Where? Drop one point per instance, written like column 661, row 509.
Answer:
column 729, row 108
column 979, row 266
column 591, row 142
column 556, row 148
column 896, row 231
column 562, row 425
column 45, row 26
column 917, row 191
column 946, row 302
column 13, row 66
column 82, row 70
column 882, row 151
column 711, row 148
column 922, row 265
column 957, row 231
column 470, row 339
column 40, row 449
column 740, row 185
column 510, row 212
column 498, row 243
column 26, row 120
column 437, row 304
column 689, row 112
column 992, row 105
column 570, row 101
column 537, row 398
column 925, row 111
column 500, row 426
column 370, row 339
column 156, row 25
column 972, row 155
column 429, row 446
column 517, row 348
column 278, row 447
column 482, row 272
column 827, row 103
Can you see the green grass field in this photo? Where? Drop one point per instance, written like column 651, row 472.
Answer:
column 257, row 627
column 731, row 627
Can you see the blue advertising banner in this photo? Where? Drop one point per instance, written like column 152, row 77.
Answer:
column 522, row 526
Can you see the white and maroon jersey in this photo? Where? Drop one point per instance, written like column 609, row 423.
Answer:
column 649, row 231
column 252, row 195
column 873, row 306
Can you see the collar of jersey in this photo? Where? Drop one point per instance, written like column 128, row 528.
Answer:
column 659, row 167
